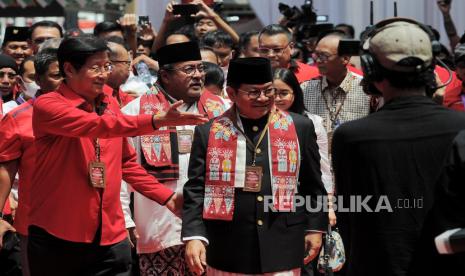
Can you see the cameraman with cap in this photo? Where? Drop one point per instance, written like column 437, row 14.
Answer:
column 395, row 158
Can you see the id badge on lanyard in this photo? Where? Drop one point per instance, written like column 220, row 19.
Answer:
column 97, row 173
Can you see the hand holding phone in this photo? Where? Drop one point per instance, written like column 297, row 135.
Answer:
column 144, row 20
column 185, row 10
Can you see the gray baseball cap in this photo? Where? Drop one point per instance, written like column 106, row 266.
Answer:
column 401, row 46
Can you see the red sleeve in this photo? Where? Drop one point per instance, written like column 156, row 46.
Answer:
column 10, row 141
column 125, row 98
column 7, row 208
column 55, row 115
column 140, row 180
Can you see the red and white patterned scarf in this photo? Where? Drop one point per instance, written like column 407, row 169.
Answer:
column 226, row 158
column 160, row 148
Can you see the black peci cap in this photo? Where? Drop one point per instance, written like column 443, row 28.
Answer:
column 252, row 70
column 13, row 33
column 178, row 52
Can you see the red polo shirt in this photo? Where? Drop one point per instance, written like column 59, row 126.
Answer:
column 17, row 143
column 64, row 204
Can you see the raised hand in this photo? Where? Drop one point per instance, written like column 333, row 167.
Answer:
column 174, row 117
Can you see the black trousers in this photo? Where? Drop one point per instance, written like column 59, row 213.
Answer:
column 51, row 256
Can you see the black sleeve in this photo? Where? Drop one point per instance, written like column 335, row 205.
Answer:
column 342, row 176
column 192, row 222
column 311, row 185
column 449, row 208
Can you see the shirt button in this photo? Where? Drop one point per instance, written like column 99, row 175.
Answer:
column 255, row 128
column 259, row 198
column 258, row 151
column 260, row 222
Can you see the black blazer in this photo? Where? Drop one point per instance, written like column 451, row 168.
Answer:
column 399, row 152
column 241, row 245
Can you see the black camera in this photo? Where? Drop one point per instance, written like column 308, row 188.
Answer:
column 349, row 47
column 296, row 16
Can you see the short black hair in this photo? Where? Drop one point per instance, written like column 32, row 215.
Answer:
column 425, row 79
column 76, row 50
column 217, row 37
column 187, row 30
column 43, row 59
column 350, row 28
column 45, row 23
column 275, row 29
column 245, row 38
column 106, row 27
column 23, row 63
column 214, row 75
column 289, row 78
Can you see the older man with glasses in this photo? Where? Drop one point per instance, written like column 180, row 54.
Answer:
column 275, row 43
column 165, row 154
column 336, row 95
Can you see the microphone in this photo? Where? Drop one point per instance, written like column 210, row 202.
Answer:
column 451, row 241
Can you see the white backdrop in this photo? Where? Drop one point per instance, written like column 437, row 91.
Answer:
column 355, row 12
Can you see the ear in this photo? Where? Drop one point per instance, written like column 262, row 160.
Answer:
column 345, row 60
column 291, row 45
column 19, row 81
column 231, row 93
column 164, row 76
column 69, row 70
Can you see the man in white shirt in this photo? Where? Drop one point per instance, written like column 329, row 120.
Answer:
column 166, row 154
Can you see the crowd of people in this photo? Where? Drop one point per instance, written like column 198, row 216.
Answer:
column 189, row 150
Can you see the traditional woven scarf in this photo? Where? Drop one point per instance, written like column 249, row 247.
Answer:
column 226, row 162
column 160, row 150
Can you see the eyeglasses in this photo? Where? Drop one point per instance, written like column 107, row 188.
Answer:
column 190, row 69
column 126, row 62
column 275, row 51
column 255, row 94
column 283, row 94
column 9, row 75
column 97, row 70
column 322, row 57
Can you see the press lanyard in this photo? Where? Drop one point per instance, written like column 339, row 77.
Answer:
column 97, row 150
column 255, row 147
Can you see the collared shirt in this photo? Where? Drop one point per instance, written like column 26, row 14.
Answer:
column 17, row 143
column 157, row 227
column 65, row 129
column 336, row 105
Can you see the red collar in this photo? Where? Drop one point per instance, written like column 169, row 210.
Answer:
column 78, row 101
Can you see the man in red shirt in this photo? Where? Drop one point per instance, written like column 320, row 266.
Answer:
column 76, row 221
column 275, row 43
